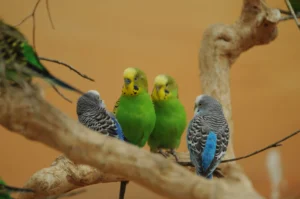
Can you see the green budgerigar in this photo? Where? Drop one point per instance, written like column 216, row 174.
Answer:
column 6, row 190
column 170, row 116
column 19, row 61
column 135, row 111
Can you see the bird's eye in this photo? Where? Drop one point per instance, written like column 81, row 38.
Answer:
column 199, row 104
column 166, row 91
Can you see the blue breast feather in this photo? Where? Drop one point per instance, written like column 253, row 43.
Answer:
column 209, row 150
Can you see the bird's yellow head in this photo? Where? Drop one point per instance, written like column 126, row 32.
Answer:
column 135, row 82
column 165, row 87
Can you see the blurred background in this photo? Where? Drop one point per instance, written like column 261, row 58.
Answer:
column 101, row 38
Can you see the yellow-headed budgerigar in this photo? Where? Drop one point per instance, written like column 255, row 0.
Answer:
column 207, row 135
column 170, row 116
column 135, row 111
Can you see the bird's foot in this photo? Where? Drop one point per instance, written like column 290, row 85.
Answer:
column 163, row 153
column 173, row 152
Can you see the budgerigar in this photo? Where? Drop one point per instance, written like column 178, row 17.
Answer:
column 135, row 111
column 92, row 113
column 6, row 190
column 19, row 61
column 207, row 135
column 170, row 116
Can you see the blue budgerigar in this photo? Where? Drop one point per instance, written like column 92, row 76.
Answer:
column 207, row 135
column 92, row 113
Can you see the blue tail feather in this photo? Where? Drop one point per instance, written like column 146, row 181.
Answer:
column 209, row 150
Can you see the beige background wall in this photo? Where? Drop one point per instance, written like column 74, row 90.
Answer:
column 102, row 38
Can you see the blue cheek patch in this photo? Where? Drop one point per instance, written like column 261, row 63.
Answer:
column 209, row 150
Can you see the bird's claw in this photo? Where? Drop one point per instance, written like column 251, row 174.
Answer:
column 173, row 152
column 163, row 153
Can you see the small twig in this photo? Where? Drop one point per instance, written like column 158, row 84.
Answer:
column 284, row 12
column 32, row 15
column 49, row 14
column 33, row 21
column 276, row 144
column 66, row 65
column 289, row 15
column 62, row 95
column 73, row 193
column 285, row 18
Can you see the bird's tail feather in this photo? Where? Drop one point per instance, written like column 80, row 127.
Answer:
column 122, row 189
column 63, row 84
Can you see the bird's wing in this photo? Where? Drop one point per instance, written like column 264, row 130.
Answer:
column 118, row 126
column 33, row 61
column 116, row 107
column 100, row 122
column 196, row 138
column 222, row 139
column 11, row 49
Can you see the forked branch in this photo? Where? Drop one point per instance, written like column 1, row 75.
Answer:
column 32, row 15
column 39, row 121
column 220, row 47
column 68, row 66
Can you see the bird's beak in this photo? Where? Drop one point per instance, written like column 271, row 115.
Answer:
column 127, row 81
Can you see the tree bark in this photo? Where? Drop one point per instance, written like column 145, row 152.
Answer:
column 25, row 112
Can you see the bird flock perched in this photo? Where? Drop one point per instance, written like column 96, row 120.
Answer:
column 159, row 119
column 138, row 117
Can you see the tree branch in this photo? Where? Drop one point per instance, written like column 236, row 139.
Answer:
column 289, row 15
column 32, row 15
column 49, row 14
column 33, row 21
column 59, row 93
column 39, row 121
column 68, row 66
column 70, row 194
column 220, row 47
column 276, row 144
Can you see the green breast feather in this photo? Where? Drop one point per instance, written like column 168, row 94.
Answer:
column 137, row 117
column 170, row 125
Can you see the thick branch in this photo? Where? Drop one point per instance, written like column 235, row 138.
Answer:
column 220, row 47
column 109, row 155
column 64, row 176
